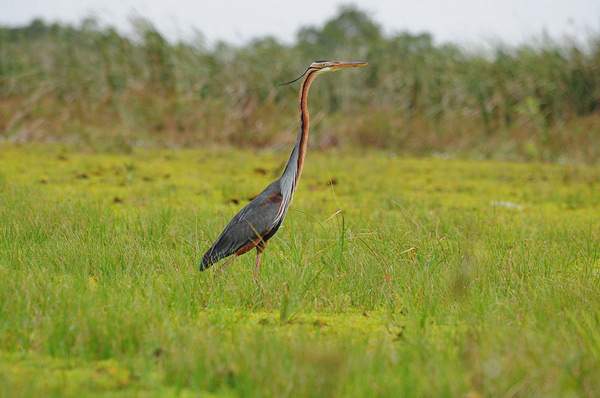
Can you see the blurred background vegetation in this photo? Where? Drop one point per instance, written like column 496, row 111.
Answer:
column 91, row 86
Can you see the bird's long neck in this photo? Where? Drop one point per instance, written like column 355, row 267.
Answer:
column 296, row 162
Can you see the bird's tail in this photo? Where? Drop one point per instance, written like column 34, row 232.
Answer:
column 212, row 256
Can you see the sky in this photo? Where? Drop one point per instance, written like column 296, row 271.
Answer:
column 460, row 21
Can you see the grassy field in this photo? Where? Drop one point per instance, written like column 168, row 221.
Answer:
column 390, row 277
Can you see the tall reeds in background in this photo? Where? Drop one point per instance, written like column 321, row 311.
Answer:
column 92, row 86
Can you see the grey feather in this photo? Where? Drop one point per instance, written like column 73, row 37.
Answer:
column 255, row 221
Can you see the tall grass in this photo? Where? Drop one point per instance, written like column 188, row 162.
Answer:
column 95, row 86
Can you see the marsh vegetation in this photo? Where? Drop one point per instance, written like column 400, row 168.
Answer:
column 95, row 87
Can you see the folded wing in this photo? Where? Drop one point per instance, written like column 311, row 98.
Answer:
column 253, row 225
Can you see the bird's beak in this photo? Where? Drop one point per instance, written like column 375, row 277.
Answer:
column 349, row 64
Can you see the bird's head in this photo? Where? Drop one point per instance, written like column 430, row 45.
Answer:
column 329, row 66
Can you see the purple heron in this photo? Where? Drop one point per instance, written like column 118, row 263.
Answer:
column 260, row 219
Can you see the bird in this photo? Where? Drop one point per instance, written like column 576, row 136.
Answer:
column 256, row 223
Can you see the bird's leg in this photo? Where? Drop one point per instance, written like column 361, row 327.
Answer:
column 259, row 251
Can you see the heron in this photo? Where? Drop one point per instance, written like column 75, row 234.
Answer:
column 256, row 223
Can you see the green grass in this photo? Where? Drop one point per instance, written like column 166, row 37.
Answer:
column 390, row 277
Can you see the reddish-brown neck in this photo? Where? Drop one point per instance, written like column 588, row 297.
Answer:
column 304, row 121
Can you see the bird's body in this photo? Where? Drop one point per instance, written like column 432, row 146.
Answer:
column 260, row 219
column 251, row 227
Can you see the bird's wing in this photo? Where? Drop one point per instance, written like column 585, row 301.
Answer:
column 250, row 224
